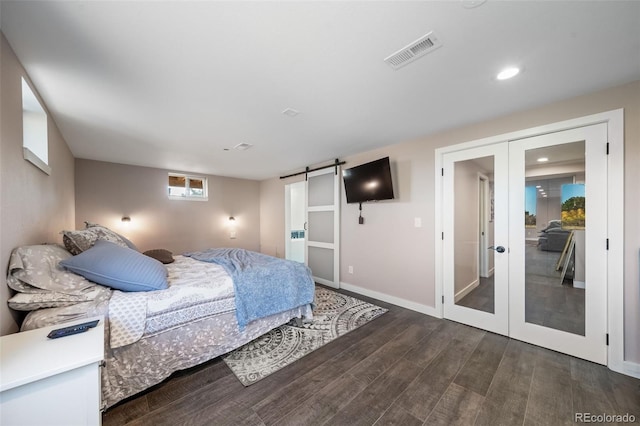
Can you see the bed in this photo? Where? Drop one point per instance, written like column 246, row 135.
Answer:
column 199, row 314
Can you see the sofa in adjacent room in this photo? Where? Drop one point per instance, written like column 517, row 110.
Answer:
column 553, row 237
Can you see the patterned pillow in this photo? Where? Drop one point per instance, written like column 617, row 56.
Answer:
column 78, row 241
column 125, row 239
column 34, row 269
column 52, row 299
column 118, row 267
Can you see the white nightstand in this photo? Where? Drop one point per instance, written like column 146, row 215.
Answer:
column 51, row 381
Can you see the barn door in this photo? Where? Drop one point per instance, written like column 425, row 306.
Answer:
column 322, row 254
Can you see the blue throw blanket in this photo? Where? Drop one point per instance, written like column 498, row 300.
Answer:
column 264, row 285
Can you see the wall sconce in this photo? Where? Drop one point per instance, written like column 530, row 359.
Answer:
column 126, row 220
column 232, row 227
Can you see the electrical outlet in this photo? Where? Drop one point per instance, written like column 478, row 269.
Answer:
column 350, row 269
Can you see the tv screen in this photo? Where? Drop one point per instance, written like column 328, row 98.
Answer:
column 368, row 182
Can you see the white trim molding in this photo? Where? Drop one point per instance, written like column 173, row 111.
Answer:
column 615, row 224
column 403, row 303
column 35, row 160
column 630, row 369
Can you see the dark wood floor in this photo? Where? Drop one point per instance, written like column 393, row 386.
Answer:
column 482, row 297
column 548, row 302
column 403, row 368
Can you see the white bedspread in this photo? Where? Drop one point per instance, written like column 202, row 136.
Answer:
column 197, row 290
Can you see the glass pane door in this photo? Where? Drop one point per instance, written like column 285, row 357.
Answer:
column 558, row 263
column 475, row 237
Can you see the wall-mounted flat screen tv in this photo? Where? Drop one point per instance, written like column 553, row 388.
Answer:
column 368, row 182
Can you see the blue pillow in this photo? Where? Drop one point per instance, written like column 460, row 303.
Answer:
column 118, row 267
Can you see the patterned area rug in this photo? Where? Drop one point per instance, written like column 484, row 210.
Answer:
column 334, row 315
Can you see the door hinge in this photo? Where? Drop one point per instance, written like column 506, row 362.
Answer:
column 607, row 339
column 442, row 171
column 607, row 148
column 443, row 236
column 607, row 244
column 443, row 300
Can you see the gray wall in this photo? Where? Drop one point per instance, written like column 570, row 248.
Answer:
column 105, row 192
column 34, row 207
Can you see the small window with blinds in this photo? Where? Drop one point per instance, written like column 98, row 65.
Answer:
column 185, row 187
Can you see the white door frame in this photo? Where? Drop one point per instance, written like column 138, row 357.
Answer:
column 483, row 219
column 615, row 220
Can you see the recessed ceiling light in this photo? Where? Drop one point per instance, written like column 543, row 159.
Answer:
column 538, row 186
column 508, row 73
column 543, row 160
column 540, row 190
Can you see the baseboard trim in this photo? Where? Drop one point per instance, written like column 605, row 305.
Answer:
column 325, row 282
column 578, row 284
column 468, row 289
column 631, row 369
column 403, row 303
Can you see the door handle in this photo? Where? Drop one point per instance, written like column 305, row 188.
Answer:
column 499, row 249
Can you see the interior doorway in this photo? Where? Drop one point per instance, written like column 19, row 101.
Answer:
column 485, row 257
column 294, row 212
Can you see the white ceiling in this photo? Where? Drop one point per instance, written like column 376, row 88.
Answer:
column 172, row 84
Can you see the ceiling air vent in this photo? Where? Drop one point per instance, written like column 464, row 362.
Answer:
column 417, row 49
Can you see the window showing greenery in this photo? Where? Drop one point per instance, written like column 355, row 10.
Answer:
column 185, row 187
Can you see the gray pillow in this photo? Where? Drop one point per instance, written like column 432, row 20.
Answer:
column 35, row 269
column 161, row 255
column 78, row 241
column 118, row 267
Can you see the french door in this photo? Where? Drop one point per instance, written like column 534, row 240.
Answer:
column 465, row 220
column 545, row 233
column 323, row 226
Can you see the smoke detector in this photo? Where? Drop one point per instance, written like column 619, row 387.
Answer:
column 242, row 146
column 290, row 112
column 425, row 44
